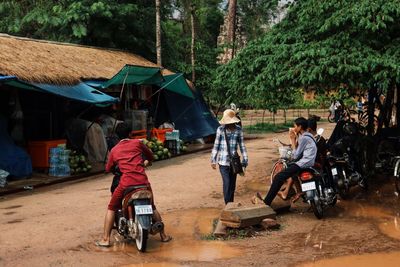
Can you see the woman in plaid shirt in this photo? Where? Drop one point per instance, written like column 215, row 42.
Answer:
column 220, row 155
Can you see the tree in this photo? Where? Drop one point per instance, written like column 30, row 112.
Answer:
column 158, row 33
column 257, row 16
column 319, row 45
column 192, row 43
column 104, row 23
column 231, row 26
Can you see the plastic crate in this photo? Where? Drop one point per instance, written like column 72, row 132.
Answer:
column 139, row 134
column 40, row 150
column 160, row 133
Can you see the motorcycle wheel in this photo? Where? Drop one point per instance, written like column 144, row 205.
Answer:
column 331, row 117
column 397, row 184
column 141, row 238
column 397, row 176
column 344, row 193
column 317, row 209
column 343, row 189
column 333, row 203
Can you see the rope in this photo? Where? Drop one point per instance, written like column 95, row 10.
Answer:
column 165, row 86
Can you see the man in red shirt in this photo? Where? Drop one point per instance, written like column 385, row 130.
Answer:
column 128, row 156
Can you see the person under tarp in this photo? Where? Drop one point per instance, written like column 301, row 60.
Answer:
column 13, row 159
column 83, row 135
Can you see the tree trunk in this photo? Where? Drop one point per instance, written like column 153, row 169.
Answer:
column 192, row 10
column 231, row 26
column 372, row 94
column 284, row 116
column 158, row 33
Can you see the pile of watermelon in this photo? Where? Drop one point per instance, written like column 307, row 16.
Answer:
column 158, row 149
column 78, row 163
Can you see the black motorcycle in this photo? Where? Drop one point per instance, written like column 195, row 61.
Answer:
column 346, row 160
column 316, row 185
column 317, row 190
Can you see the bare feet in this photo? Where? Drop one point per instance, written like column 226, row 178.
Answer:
column 282, row 195
column 296, row 197
column 255, row 199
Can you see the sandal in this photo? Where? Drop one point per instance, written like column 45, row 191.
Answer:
column 167, row 239
column 102, row 245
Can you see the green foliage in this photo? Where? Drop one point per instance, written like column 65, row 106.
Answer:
column 256, row 16
column 320, row 45
column 266, row 127
column 105, row 23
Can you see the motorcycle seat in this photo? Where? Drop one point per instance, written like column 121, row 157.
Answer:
column 134, row 188
column 311, row 169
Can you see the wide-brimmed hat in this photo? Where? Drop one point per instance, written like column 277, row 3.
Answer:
column 229, row 117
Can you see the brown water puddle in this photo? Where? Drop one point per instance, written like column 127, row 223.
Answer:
column 388, row 223
column 365, row 260
column 189, row 229
column 158, row 264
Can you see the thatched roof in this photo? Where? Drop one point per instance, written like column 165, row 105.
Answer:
column 61, row 63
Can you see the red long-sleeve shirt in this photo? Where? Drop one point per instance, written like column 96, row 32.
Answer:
column 128, row 154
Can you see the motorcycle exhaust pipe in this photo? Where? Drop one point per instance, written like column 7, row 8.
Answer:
column 157, row 227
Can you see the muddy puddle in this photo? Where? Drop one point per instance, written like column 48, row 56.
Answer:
column 365, row 260
column 388, row 222
column 157, row 264
column 190, row 230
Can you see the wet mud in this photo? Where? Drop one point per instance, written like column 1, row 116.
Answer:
column 190, row 230
column 365, row 260
column 12, row 207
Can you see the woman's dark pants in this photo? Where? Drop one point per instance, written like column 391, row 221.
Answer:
column 279, row 179
column 228, row 183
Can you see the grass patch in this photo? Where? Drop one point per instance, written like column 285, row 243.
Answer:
column 233, row 233
column 267, row 127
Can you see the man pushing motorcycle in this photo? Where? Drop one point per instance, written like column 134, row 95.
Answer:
column 131, row 156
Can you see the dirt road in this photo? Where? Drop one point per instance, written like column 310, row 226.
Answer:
column 57, row 226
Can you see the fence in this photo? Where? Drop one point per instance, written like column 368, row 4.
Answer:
column 253, row 117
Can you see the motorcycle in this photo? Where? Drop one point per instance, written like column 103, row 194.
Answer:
column 345, row 167
column 318, row 190
column 135, row 220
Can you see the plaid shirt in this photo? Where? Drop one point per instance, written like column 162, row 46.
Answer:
column 220, row 150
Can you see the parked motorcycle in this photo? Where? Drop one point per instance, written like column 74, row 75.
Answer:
column 318, row 193
column 316, row 186
column 346, row 160
column 135, row 220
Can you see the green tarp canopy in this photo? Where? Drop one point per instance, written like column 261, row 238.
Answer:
column 177, row 83
column 135, row 75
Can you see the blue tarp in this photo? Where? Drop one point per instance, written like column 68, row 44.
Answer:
column 192, row 117
column 7, row 78
column 80, row 92
column 13, row 159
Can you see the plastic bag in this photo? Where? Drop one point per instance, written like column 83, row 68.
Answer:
column 3, row 178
